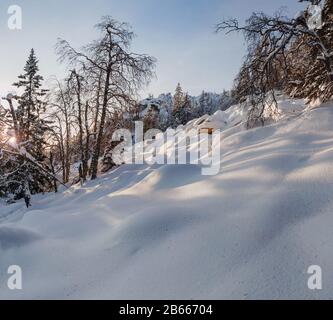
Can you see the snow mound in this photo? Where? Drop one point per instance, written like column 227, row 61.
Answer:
column 16, row 237
column 167, row 232
column 171, row 177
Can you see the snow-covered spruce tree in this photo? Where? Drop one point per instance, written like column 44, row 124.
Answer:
column 151, row 120
column 205, row 104
column 30, row 108
column 183, row 114
column 23, row 164
column 178, row 98
column 279, row 44
column 226, row 100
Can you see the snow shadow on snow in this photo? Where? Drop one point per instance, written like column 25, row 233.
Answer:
column 14, row 237
column 174, row 176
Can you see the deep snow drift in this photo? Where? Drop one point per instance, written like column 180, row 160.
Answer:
column 167, row 232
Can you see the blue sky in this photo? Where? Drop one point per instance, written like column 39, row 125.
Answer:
column 179, row 33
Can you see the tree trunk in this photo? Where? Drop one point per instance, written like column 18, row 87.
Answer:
column 328, row 10
column 53, row 173
column 87, row 155
column 97, row 150
column 98, row 104
column 16, row 127
column 67, row 152
column 62, row 153
column 83, row 159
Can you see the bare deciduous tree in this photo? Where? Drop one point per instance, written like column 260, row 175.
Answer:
column 120, row 72
column 273, row 43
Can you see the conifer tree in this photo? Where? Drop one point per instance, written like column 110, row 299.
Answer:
column 30, row 107
column 205, row 104
column 183, row 114
column 178, row 98
column 24, row 171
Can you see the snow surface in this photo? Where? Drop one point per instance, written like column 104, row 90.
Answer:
column 314, row 20
column 168, row 232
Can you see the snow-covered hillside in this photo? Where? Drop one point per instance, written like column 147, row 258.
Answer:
column 169, row 232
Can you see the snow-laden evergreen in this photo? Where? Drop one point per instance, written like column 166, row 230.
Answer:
column 22, row 164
